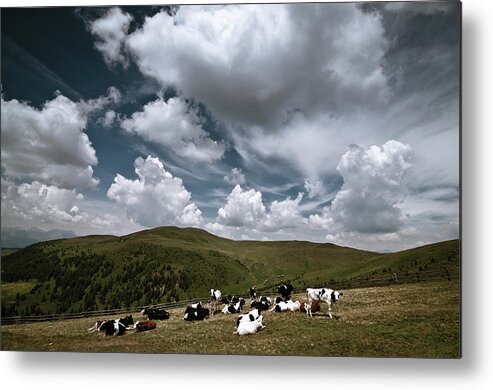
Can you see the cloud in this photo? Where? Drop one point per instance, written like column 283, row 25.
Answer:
column 110, row 31
column 314, row 58
column 49, row 144
column 373, row 187
column 243, row 208
column 313, row 189
column 156, row 198
column 235, row 177
column 41, row 204
column 283, row 214
column 177, row 127
column 109, row 118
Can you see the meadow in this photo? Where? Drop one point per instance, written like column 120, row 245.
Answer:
column 403, row 320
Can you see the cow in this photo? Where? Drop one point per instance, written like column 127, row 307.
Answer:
column 250, row 327
column 305, row 307
column 195, row 314
column 293, row 306
column 127, row 321
column 155, row 314
column 253, row 294
column 197, row 305
column 113, row 328
column 285, row 290
column 260, row 305
column 142, row 326
column 279, row 307
column 323, row 294
column 215, row 300
column 250, row 317
column 234, row 308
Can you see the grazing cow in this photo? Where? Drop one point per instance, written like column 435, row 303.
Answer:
column 250, row 317
column 155, row 314
column 234, row 308
column 142, row 326
column 195, row 314
column 324, row 294
column 250, row 327
column 285, row 290
column 215, row 300
column 113, row 328
column 305, row 307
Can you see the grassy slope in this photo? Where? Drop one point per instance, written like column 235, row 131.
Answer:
column 412, row 320
column 233, row 266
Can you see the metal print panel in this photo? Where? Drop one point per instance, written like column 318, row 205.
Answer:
column 266, row 179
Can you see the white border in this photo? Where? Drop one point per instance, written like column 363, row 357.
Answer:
column 475, row 370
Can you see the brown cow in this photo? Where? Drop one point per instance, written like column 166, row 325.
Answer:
column 315, row 307
column 142, row 326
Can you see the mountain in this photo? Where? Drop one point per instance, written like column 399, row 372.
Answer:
column 18, row 238
column 167, row 264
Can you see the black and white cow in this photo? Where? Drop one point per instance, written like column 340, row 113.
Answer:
column 285, row 290
column 323, row 294
column 262, row 304
column 250, row 327
column 250, row 317
column 155, row 314
column 234, row 307
column 192, row 314
column 113, row 328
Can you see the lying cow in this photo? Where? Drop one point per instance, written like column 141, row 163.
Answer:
column 234, row 308
column 250, row 327
column 125, row 321
column 250, row 317
column 113, row 328
column 142, row 326
column 192, row 314
column 323, row 294
column 155, row 314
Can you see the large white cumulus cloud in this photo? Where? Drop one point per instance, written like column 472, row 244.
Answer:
column 48, row 144
column 245, row 208
column 41, row 203
column 155, row 198
column 298, row 58
column 177, row 127
column 373, row 187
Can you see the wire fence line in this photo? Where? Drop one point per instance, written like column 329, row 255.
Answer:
column 394, row 278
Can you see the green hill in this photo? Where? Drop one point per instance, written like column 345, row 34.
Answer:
column 168, row 264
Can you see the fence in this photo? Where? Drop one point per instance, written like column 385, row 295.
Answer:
column 394, row 278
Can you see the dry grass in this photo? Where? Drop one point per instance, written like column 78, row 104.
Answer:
column 421, row 320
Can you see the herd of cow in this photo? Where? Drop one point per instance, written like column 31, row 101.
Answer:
column 249, row 323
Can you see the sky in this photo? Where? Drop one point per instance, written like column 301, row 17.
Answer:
column 322, row 122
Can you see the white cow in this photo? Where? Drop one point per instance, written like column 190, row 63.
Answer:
column 293, row 306
column 250, row 327
column 323, row 294
column 250, row 317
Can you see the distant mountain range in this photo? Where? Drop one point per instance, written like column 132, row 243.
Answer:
column 19, row 238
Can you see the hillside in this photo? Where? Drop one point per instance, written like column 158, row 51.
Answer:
column 168, row 264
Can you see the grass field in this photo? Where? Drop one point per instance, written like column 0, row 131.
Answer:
column 412, row 320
